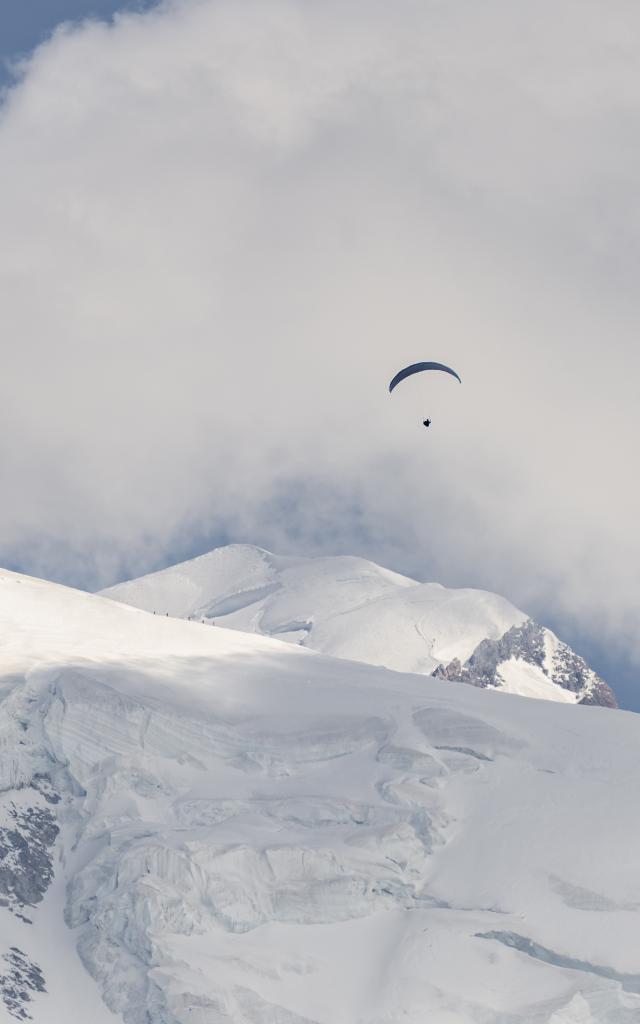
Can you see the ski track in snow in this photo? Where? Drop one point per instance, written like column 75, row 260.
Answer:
column 225, row 827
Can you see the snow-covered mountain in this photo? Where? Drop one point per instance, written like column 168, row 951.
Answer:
column 352, row 608
column 203, row 825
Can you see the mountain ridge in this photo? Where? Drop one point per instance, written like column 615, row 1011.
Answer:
column 350, row 607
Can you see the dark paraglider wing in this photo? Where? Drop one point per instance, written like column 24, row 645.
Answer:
column 418, row 368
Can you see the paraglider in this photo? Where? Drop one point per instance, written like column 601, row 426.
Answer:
column 418, row 368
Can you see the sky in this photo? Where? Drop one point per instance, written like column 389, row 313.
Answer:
column 26, row 24
column 228, row 223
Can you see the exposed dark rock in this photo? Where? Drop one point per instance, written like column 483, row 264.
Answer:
column 481, row 669
column 43, row 785
column 571, row 672
column 19, row 980
column 527, row 643
column 601, row 695
column 26, row 865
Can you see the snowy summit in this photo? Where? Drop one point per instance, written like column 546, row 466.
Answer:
column 352, row 608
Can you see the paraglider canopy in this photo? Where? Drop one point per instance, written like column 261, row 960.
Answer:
column 418, row 368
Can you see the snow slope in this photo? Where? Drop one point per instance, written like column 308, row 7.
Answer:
column 352, row 608
column 239, row 829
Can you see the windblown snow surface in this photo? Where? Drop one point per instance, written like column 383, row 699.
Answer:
column 352, row 608
column 206, row 826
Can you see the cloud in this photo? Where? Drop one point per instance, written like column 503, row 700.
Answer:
column 227, row 224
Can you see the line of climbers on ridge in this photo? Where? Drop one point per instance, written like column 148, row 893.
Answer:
column 189, row 619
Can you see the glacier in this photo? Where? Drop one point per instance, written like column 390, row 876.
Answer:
column 207, row 825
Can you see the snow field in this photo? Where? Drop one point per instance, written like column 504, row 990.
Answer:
column 254, row 832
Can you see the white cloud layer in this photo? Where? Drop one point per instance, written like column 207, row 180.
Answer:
column 227, row 223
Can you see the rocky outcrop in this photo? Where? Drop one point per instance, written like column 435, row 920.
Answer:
column 26, row 866
column 19, row 979
column 537, row 646
column 600, row 695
